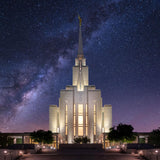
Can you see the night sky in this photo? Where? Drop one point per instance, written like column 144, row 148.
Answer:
column 38, row 45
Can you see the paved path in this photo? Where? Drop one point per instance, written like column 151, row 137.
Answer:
column 106, row 156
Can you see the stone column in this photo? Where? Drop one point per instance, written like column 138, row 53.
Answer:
column 22, row 139
column 56, row 141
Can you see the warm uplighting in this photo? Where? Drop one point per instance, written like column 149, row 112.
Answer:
column 80, row 120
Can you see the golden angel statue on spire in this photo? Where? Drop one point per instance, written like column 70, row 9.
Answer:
column 80, row 20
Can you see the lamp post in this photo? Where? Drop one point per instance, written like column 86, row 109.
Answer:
column 5, row 154
column 10, row 154
column 156, row 151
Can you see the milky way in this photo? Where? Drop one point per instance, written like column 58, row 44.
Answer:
column 38, row 44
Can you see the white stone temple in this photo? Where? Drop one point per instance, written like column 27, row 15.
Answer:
column 80, row 111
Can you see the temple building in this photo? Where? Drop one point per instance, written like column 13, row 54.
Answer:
column 80, row 111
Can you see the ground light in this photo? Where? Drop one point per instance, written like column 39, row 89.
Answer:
column 20, row 153
column 156, row 151
column 5, row 152
column 140, row 153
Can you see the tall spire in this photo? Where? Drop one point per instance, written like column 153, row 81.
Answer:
column 80, row 44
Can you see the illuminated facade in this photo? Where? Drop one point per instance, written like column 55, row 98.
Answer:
column 80, row 111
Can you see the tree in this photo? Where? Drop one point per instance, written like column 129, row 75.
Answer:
column 122, row 133
column 83, row 140
column 154, row 137
column 113, row 135
column 48, row 138
column 77, row 140
column 42, row 136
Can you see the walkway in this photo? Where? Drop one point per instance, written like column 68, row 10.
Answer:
column 104, row 156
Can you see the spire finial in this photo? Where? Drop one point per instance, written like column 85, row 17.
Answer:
column 80, row 45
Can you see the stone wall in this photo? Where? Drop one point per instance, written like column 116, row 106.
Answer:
column 151, row 154
column 77, row 148
column 6, row 154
